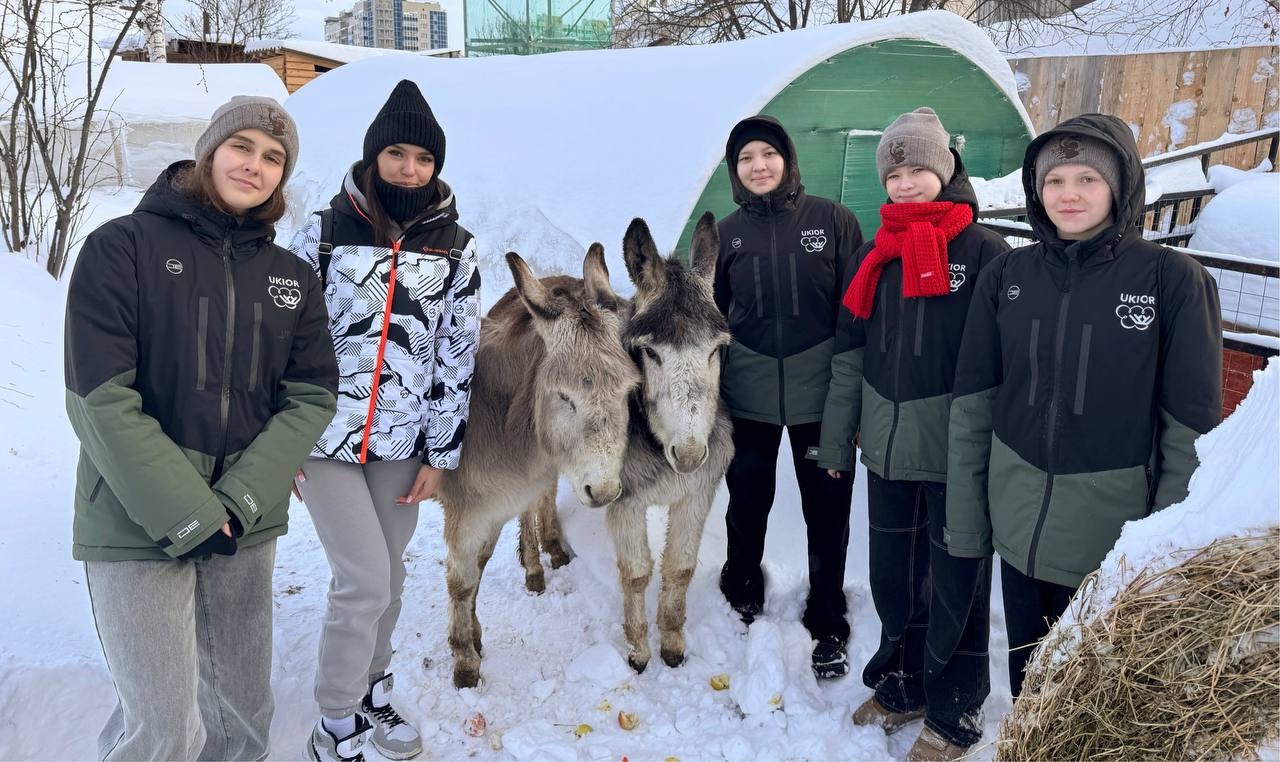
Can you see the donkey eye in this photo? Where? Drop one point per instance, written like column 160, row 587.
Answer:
column 652, row 355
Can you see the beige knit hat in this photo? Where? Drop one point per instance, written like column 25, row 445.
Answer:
column 916, row 139
column 1079, row 149
column 244, row 112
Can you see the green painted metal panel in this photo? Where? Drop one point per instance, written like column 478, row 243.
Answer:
column 866, row 88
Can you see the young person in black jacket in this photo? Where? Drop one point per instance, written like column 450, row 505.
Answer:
column 1091, row 362
column 777, row 281
column 892, row 375
column 199, row 373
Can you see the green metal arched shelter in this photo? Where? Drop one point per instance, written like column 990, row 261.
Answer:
column 837, row 109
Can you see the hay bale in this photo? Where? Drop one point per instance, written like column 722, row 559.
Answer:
column 1183, row 663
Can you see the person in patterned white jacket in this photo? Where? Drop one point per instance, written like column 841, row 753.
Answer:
column 403, row 289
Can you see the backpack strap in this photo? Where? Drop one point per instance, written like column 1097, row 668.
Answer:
column 325, row 249
column 459, row 242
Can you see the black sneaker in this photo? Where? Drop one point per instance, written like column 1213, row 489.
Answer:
column 830, row 658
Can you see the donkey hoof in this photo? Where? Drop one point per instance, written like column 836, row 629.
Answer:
column 672, row 658
column 637, row 664
column 465, row 677
column 560, row 559
column 535, row 583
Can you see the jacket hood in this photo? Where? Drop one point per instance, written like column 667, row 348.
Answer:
column 164, row 198
column 1126, row 210
column 351, row 201
column 786, row 194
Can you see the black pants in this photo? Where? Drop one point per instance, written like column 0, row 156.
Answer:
column 935, row 612
column 1031, row 606
column 825, row 503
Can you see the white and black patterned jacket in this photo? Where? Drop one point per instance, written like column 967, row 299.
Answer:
column 423, row 351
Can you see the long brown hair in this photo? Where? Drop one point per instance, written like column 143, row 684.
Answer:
column 381, row 222
column 196, row 181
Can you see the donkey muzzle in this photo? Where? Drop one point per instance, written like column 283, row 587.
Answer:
column 600, row 495
column 688, row 456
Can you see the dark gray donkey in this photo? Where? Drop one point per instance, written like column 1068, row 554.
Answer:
column 678, row 444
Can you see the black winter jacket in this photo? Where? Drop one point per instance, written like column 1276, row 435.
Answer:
column 1087, row 371
column 892, row 374
column 199, row 372
column 778, row 281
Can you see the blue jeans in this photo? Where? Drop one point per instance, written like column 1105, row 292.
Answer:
column 188, row 644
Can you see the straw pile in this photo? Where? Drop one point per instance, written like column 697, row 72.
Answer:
column 1183, row 663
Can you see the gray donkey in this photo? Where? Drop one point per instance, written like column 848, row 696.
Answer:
column 679, row 442
column 549, row 397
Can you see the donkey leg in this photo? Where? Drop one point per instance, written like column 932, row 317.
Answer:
column 635, row 568
column 530, row 558
column 462, row 578
column 685, row 521
column 486, row 553
column 549, row 528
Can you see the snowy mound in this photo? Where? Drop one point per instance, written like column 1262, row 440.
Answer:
column 624, row 133
column 1234, row 492
column 1242, row 218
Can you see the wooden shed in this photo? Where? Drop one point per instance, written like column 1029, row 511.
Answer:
column 297, row 62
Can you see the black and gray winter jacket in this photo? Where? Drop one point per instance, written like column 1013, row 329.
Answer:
column 778, row 281
column 1087, row 370
column 420, row 336
column 892, row 374
column 199, row 372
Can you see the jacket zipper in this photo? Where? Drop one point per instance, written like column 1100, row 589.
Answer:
column 777, row 322
column 225, row 404
column 382, row 346
column 1051, row 434
column 897, row 375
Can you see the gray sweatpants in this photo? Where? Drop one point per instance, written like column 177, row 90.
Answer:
column 364, row 533
column 188, row 645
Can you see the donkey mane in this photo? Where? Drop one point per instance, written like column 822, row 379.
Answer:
column 678, row 315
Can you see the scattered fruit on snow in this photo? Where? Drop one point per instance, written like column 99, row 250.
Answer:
column 627, row 720
column 719, row 682
column 475, row 725
column 582, row 730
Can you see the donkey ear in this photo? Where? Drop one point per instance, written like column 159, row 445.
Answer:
column 595, row 273
column 705, row 249
column 536, row 297
column 646, row 267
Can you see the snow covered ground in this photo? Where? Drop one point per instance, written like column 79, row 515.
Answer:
column 551, row 662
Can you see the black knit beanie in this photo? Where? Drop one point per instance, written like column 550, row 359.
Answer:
column 404, row 118
column 753, row 129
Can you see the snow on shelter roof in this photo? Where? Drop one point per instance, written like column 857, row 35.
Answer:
column 154, row 92
column 587, row 140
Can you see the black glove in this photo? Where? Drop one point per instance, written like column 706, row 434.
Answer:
column 216, row 543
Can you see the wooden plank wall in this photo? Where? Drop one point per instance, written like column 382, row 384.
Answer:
column 296, row 69
column 1217, row 91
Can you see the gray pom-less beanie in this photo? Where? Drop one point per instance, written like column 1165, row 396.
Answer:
column 251, row 112
column 916, row 139
column 1079, row 149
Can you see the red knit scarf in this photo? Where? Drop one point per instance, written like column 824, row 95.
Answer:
column 918, row 234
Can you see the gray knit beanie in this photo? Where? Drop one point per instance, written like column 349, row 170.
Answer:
column 1079, row 149
column 916, row 139
column 244, row 112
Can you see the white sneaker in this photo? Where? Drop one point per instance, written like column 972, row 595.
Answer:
column 393, row 737
column 324, row 746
